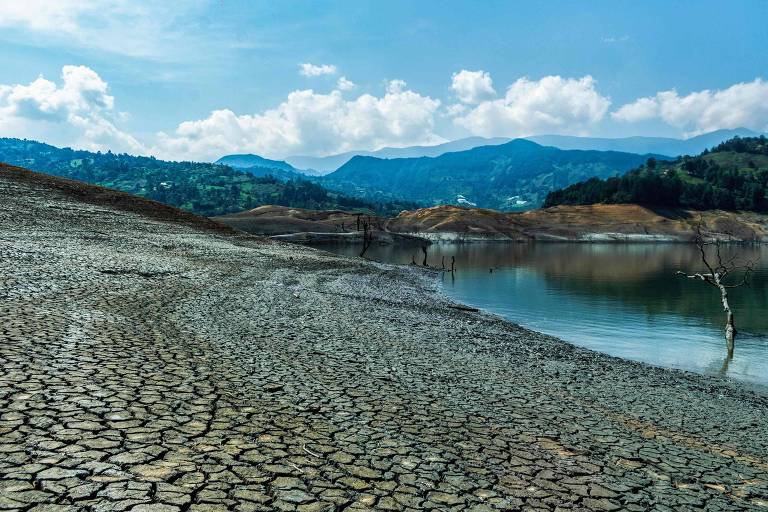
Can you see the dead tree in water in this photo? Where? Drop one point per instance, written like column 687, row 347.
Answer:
column 716, row 275
column 424, row 250
column 367, row 235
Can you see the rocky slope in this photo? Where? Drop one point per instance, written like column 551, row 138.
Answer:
column 155, row 361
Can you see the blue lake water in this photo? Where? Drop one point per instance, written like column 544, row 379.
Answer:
column 621, row 299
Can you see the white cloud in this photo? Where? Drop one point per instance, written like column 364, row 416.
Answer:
column 740, row 105
column 308, row 69
column 345, row 85
column 308, row 122
column 79, row 110
column 641, row 109
column 472, row 86
column 127, row 27
column 455, row 109
column 41, row 15
column 552, row 104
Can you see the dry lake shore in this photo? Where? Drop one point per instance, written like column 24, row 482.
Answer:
column 157, row 362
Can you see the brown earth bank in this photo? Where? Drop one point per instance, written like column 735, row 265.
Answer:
column 595, row 223
column 280, row 220
column 151, row 363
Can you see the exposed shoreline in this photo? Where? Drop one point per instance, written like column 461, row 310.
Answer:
column 148, row 361
column 583, row 224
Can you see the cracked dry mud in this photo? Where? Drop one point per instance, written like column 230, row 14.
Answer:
column 152, row 365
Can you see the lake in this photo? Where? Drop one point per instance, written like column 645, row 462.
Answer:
column 621, row 299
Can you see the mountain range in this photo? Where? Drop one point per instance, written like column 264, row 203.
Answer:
column 327, row 164
column 659, row 145
column 321, row 165
column 514, row 175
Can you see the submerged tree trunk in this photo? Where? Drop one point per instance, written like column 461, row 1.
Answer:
column 730, row 325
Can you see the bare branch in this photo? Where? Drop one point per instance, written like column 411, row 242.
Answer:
column 702, row 277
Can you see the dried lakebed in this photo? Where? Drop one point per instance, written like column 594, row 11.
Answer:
column 159, row 364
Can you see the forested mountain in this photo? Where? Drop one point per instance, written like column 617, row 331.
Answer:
column 732, row 176
column 204, row 188
column 659, row 145
column 515, row 175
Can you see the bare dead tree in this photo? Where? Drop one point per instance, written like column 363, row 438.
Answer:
column 424, row 250
column 720, row 274
column 453, row 264
column 367, row 235
column 442, row 263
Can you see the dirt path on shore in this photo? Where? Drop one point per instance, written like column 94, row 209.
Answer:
column 151, row 365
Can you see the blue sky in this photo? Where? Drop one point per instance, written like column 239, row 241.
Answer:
column 205, row 78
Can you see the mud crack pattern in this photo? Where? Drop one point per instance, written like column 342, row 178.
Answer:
column 160, row 366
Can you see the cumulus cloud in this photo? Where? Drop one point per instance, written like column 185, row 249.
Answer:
column 551, row 104
column 308, row 69
column 308, row 122
column 740, row 105
column 345, row 85
column 455, row 109
column 472, row 86
column 79, row 109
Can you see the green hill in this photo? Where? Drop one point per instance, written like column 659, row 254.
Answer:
column 515, row 175
column 203, row 188
column 732, row 176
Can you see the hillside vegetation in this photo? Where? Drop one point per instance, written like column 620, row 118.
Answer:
column 516, row 175
column 203, row 188
column 732, row 176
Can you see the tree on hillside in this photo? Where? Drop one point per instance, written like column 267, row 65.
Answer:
column 723, row 274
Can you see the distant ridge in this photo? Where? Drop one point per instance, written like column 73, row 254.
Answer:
column 659, row 145
column 666, row 146
column 327, row 164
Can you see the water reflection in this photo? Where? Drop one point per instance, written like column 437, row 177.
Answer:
column 622, row 299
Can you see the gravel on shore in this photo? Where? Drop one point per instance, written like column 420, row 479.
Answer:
column 154, row 365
